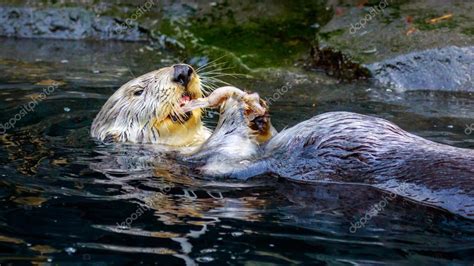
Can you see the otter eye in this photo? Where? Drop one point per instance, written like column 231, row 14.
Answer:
column 138, row 92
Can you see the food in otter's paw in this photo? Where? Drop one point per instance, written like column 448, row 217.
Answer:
column 218, row 96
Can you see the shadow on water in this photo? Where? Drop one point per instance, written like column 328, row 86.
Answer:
column 66, row 198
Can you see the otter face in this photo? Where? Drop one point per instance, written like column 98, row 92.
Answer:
column 147, row 110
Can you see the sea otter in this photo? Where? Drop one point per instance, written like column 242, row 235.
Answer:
column 147, row 110
column 164, row 107
column 338, row 147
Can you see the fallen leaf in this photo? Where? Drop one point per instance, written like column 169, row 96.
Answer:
column 410, row 31
column 361, row 3
column 50, row 82
column 438, row 19
column 31, row 201
column 43, row 249
column 10, row 240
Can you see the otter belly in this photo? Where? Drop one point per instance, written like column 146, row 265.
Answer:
column 348, row 147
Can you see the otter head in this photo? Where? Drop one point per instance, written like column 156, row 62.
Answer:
column 147, row 110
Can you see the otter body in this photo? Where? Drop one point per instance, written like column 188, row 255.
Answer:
column 347, row 148
column 344, row 146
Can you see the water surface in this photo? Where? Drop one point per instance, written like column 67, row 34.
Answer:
column 66, row 198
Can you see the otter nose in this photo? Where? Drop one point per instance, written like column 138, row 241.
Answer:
column 182, row 74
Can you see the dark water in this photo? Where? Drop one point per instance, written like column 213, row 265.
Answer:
column 64, row 196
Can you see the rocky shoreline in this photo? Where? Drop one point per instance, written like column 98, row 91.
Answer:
column 413, row 51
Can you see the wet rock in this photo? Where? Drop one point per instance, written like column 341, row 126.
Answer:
column 65, row 23
column 336, row 64
column 380, row 30
column 449, row 69
column 388, row 35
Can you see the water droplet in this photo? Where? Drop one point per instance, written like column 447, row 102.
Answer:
column 208, row 250
column 205, row 259
column 70, row 250
column 236, row 234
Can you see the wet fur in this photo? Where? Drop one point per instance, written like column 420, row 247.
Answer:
column 145, row 118
column 349, row 147
column 346, row 147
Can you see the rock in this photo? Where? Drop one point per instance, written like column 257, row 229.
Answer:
column 336, row 64
column 450, row 69
column 65, row 23
column 400, row 27
column 387, row 36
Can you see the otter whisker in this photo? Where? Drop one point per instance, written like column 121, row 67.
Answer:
column 217, row 81
column 235, row 75
column 209, row 87
column 221, row 74
column 218, row 67
column 209, row 84
column 212, row 67
column 213, row 73
column 211, row 63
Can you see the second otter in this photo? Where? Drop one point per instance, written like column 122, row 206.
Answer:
column 341, row 147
